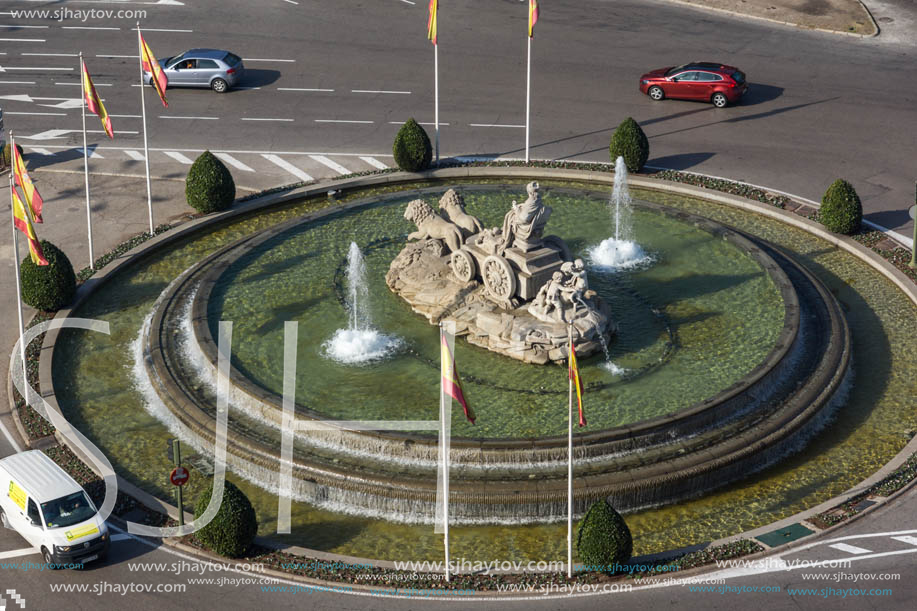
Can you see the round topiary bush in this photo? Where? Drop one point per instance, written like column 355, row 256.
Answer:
column 6, row 156
column 412, row 148
column 233, row 528
column 209, row 186
column 48, row 287
column 841, row 210
column 603, row 538
column 630, row 142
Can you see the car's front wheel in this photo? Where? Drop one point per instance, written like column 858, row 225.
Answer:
column 49, row 559
column 656, row 93
column 719, row 100
column 219, row 85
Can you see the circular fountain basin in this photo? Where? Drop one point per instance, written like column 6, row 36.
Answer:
column 771, row 408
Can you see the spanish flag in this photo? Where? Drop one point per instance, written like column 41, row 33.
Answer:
column 451, row 385
column 431, row 22
column 23, row 222
column 574, row 375
column 533, row 17
column 94, row 104
column 32, row 196
column 157, row 76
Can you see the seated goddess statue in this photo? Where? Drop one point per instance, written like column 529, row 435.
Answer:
column 524, row 224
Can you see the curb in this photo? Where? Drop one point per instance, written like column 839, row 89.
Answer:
column 782, row 22
column 318, row 189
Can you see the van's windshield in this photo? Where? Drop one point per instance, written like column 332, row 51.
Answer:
column 68, row 510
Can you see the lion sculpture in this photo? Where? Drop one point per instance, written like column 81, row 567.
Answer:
column 452, row 206
column 431, row 225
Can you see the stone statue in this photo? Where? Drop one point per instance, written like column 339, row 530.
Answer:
column 547, row 304
column 561, row 299
column 431, row 225
column 452, row 207
column 524, row 224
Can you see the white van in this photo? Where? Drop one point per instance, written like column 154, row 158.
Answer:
column 41, row 502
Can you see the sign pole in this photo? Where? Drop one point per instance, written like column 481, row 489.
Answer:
column 146, row 148
column 25, row 379
column 570, row 463
column 176, row 450
column 86, row 161
column 528, row 97
column 913, row 211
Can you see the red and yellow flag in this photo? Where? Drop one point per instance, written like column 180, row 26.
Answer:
column 32, row 196
column 451, row 384
column 533, row 17
column 431, row 21
column 574, row 375
column 23, row 222
column 157, row 76
column 94, row 103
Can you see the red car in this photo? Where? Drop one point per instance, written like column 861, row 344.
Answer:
column 708, row 81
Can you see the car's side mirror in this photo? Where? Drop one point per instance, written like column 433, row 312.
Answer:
column 34, row 522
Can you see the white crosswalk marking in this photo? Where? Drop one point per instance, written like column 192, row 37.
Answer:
column 331, row 164
column 226, row 157
column 178, row 157
column 906, row 539
column 375, row 163
column 134, row 155
column 94, row 155
column 292, row 169
column 850, row 549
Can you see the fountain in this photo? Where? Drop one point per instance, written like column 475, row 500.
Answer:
column 621, row 251
column 723, row 348
column 359, row 342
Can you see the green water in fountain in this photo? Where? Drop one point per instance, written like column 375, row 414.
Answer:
column 93, row 384
column 723, row 311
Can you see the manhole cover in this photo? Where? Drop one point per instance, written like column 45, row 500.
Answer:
column 885, row 19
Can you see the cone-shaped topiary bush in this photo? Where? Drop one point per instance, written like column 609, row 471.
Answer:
column 209, row 186
column 603, row 539
column 412, row 148
column 48, row 287
column 233, row 528
column 6, row 155
column 630, row 142
column 841, row 210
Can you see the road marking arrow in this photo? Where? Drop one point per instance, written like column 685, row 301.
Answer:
column 50, row 134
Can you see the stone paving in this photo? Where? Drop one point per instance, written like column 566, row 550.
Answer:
column 848, row 16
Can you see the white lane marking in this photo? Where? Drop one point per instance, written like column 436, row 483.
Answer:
column 189, row 118
column 234, row 162
column 40, row 150
column 17, row 82
column 850, row 549
column 292, row 2
column 161, row 30
column 51, row 54
column 30, row 27
column 178, row 157
column 300, row 89
column 117, row 131
column 255, row 59
column 126, row 116
column 375, row 163
column 40, row 114
column 61, row 132
column 263, row 119
column 120, row 56
column 340, row 121
column 20, row 552
column 7, row 68
column 81, row 84
column 134, row 155
column 86, row 27
column 331, row 164
column 378, row 91
column 408, row 2
column 292, row 169
column 22, row 40
column 403, row 122
column 246, row 88
column 906, row 539
column 493, row 125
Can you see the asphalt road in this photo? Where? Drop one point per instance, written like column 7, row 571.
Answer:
column 820, row 107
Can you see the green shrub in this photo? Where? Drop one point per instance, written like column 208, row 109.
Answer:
column 412, row 148
column 630, row 142
column 233, row 528
column 48, row 287
column 209, row 186
column 603, row 538
column 841, row 210
column 6, row 156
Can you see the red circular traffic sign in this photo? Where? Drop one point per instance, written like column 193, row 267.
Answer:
column 179, row 476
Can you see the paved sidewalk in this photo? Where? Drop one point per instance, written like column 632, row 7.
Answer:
column 847, row 16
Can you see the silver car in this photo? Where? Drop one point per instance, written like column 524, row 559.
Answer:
column 212, row 68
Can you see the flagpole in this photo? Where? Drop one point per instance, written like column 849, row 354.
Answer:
column 436, row 95
column 445, row 460
column 528, row 97
column 86, row 160
column 570, row 461
column 146, row 148
column 25, row 379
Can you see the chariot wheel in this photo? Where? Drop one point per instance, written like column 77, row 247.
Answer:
column 463, row 265
column 499, row 278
